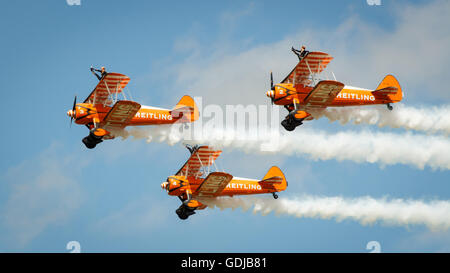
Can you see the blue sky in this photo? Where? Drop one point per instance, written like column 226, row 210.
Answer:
column 53, row 190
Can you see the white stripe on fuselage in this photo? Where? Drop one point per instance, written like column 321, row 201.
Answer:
column 153, row 108
column 355, row 88
column 246, row 179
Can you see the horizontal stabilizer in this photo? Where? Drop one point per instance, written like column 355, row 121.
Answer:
column 387, row 90
column 272, row 180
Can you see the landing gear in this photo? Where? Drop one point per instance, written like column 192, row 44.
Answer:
column 184, row 212
column 275, row 195
column 92, row 140
column 389, row 106
column 287, row 125
column 290, row 122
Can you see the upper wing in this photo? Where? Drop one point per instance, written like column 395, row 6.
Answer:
column 313, row 62
column 203, row 156
column 322, row 94
column 120, row 114
column 214, row 184
column 112, row 83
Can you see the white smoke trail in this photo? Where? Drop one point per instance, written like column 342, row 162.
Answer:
column 366, row 210
column 430, row 119
column 372, row 147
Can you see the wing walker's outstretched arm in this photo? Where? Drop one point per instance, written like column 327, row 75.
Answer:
column 191, row 148
column 300, row 53
column 102, row 72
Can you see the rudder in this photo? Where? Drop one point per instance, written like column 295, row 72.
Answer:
column 275, row 174
column 390, row 87
column 187, row 108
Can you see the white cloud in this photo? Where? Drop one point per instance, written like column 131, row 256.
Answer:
column 415, row 50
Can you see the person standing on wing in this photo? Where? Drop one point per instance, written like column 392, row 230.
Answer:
column 102, row 71
column 300, row 53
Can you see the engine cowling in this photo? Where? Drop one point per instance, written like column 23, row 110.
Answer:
column 176, row 185
column 281, row 91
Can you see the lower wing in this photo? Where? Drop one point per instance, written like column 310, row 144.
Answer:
column 214, row 184
column 120, row 114
column 322, row 95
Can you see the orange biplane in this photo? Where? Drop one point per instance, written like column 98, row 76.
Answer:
column 105, row 115
column 302, row 92
column 194, row 182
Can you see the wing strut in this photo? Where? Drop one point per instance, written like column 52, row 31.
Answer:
column 109, row 92
column 310, row 72
column 198, row 173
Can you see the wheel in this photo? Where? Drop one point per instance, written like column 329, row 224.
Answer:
column 92, row 140
column 181, row 214
column 88, row 143
column 390, row 107
column 275, row 196
column 287, row 125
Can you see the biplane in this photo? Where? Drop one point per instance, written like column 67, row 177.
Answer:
column 303, row 92
column 194, row 183
column 105, row 115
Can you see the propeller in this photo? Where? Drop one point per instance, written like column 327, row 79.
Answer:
column 73, row 110
column 272, row 87
column 165, row 185
column 271, row 81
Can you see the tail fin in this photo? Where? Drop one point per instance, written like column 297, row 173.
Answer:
column 390, row 89
column 186, row 110
column 275, row 179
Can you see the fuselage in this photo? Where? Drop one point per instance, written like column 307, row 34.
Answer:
column 178, row 185
column 349, row 96
column 87, row 113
